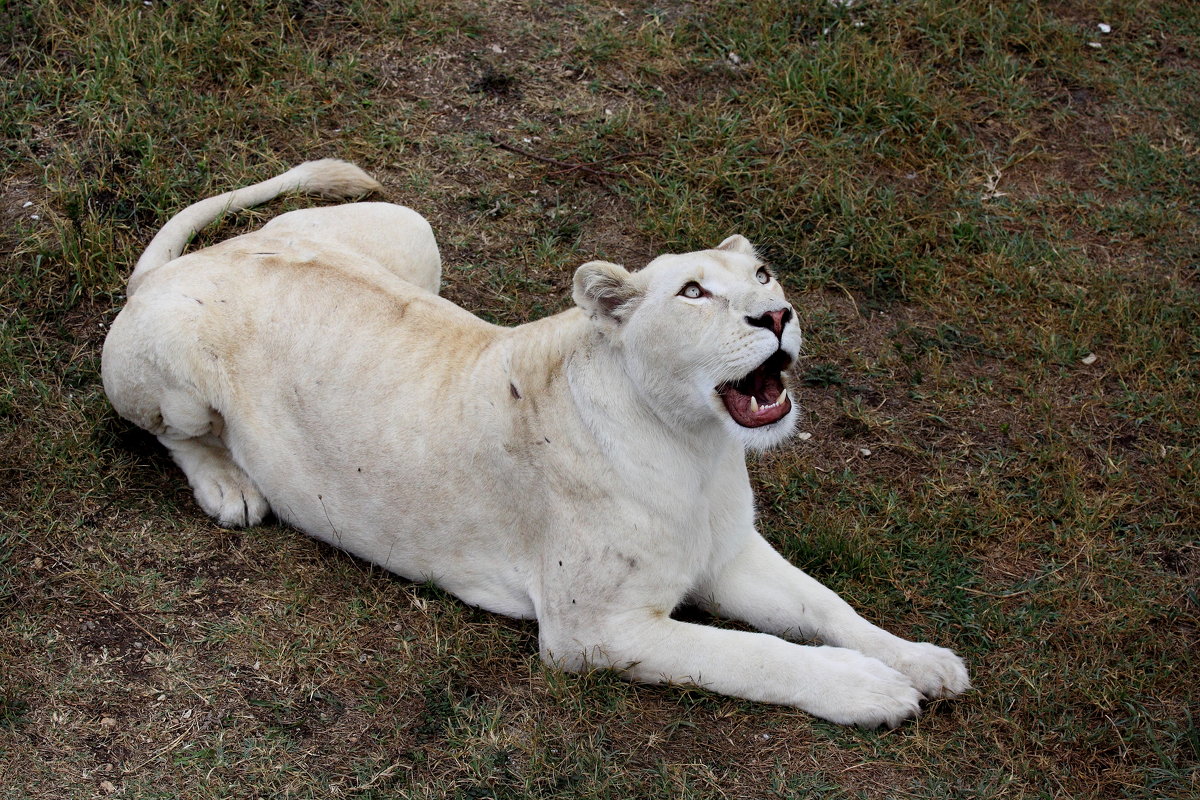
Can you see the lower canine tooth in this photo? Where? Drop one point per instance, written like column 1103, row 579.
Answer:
column 753, row 404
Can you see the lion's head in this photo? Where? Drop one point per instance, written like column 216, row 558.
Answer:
column 704, row 337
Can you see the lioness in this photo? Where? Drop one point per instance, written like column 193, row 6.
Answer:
column 587, row 469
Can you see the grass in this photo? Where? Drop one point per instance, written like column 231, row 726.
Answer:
column 966, row 200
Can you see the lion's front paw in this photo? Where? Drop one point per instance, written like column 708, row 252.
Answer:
column 854, row 689
column 934, row 671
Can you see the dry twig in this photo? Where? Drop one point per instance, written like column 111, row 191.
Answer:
column 592, row 168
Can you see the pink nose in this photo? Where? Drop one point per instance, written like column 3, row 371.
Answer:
column 772, row 320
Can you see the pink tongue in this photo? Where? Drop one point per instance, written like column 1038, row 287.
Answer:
column 738, row 406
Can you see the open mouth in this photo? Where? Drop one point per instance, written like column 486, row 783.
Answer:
column 759, row 398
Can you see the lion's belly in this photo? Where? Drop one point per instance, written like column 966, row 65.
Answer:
column 419, row 538
column 391, row 482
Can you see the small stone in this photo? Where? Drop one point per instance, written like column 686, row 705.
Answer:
column 1088, row 360
column 804, row 437
column 1104, row 27
column 27, row 204
column 1094, row 45
column 108, row 722
column 107, row 787
column 864, row 451
column 734, row 58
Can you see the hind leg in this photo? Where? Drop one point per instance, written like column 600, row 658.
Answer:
column 191, row 431
column 223, row 489
column 397, row 238
column 153, row 379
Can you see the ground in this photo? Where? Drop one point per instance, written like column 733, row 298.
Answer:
column 985, row 214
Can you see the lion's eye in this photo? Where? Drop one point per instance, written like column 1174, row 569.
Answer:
column 762, row 275
column 693, row 291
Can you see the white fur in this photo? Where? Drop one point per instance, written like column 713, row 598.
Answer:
column 580, row 469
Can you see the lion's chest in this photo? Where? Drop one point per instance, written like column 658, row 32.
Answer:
column 652, row 542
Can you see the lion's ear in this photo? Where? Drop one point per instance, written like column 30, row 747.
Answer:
column 737, row 244
column 603, row 289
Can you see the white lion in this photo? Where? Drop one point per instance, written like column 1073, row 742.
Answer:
column 587, row 469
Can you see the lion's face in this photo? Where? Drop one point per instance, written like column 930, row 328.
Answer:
column 705, row 337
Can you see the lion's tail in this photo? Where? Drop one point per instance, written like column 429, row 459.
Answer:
column 329, row 178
